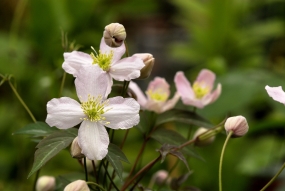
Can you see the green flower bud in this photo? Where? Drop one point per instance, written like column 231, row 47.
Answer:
column 203, row 138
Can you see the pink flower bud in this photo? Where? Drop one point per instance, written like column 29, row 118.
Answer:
column 200, row 140
column 238, row 125
column 75, row 150
column 148, row 61
column 114, row 34
column 78, row 185
column 45, row 183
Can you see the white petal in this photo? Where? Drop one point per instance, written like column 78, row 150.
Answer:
column 91, row 80
column 93, row 139
column 74, row 60
column 122, row 113
column 64, row 113
column 126, row 69
column 118, row 52
column 276, row 93
column 139, row 94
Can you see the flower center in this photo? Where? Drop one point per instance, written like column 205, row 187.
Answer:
column 157, row 95
column 103, row 60
column 94, row 108
column 200, row 90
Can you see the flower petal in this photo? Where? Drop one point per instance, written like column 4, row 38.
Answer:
column 276, row 93
column 126, row 68
column 207, row 78
column 159, row 84
column 183, row 87
column 140, row 95
column 216, row 93
column 122, row 113
column 64, row 113
column 93, row 139
column 169, row 104
column 91, row 80
column 74, row 60
column 118, row 52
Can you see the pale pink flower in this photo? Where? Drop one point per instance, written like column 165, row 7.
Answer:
column 78, row 185
column 108, row 59
column 46, row 183
column 276, row 93
column 200, row 94
column 157, row 96
column 95, row 111
column 237, row 124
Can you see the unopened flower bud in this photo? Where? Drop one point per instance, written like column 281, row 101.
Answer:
column 238, row 125
column 201, row 141
column 75, row 150
column 45, row 183
column 78, row 185
column 160, row 177
column 148, row 61
column 114, row 34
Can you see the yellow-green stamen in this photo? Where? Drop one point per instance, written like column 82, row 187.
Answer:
column 157, row 95
column 200, row 90
column 103, row 60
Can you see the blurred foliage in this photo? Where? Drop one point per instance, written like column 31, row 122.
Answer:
column 242, row 41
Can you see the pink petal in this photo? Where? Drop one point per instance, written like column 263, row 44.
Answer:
column 169, row 104
column 159, row 84
column 140, row 95
column 126, row 68
column 93, row 139
column 216, row 93
column 183, row 87
column 93, row 81
column 207, row 78
column 74, row 60
column 276, row 93
column 64, row 113
column 122, row 113
column 118, row 52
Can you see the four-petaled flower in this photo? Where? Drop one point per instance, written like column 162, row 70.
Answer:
column 276, row 93
column 95, row 111
column 108, row 59
column 200, row 94
column 157, row 96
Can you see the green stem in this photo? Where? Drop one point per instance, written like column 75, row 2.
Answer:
column 22, row 102
column 110, row 178
column 36, row 179
column 85, row 168
column 62, row 84
column 272, row 179
column 221, row 160
column 97, row 185
column 94, row 169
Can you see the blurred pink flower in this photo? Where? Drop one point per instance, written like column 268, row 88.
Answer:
column 95, row 111
column 78, row 185
column 108, row 59
column 276, row 93
column 157, row 96
column 200, row 94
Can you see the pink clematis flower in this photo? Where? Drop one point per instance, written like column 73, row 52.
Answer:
column 157, row 96
column 200, row 94
column 108, row 59
column 276, row 93
column 93, row 112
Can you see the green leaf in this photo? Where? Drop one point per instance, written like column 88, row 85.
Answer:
column 36, row 129
column 51, row 146
column 166, row 136
column 147, row 119
column 115, row 156
column 183, row 116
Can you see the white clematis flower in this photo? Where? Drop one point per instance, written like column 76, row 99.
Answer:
column 95, row 111
column 108, row 59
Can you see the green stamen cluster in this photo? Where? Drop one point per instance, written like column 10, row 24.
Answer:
column 157, row 95
column 103, row 60
column 94, row 108
column 199, row 90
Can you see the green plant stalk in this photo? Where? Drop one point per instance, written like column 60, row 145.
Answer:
column 97, row 185
column 62, row 84
column 221, row 159
column 274, row 177
column 110, row 178
column 36, row 179
column 85, row 168
column 94, row 169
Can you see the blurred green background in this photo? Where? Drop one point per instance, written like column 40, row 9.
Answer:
column 242, row 41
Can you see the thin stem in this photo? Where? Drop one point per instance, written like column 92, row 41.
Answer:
column 221, row 160
column 62, row 84
column 85, row 168
column 272, row 179
column 97, row 185
column 124, row 139
column 94, row 169
column 110, row 178
column 36, row 179
column 22, row 102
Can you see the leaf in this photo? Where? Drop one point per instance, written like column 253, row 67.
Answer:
column 115, row 156
column 147, row 119
column 166, row 136
column 36, row 129
column 51, row 146
column 183, row 116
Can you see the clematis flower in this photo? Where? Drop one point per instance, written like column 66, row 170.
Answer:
column 237, row 124
column 276, row 93
column 157, row 96
column 108, row 59
column 200, row 94
column 93, row 112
